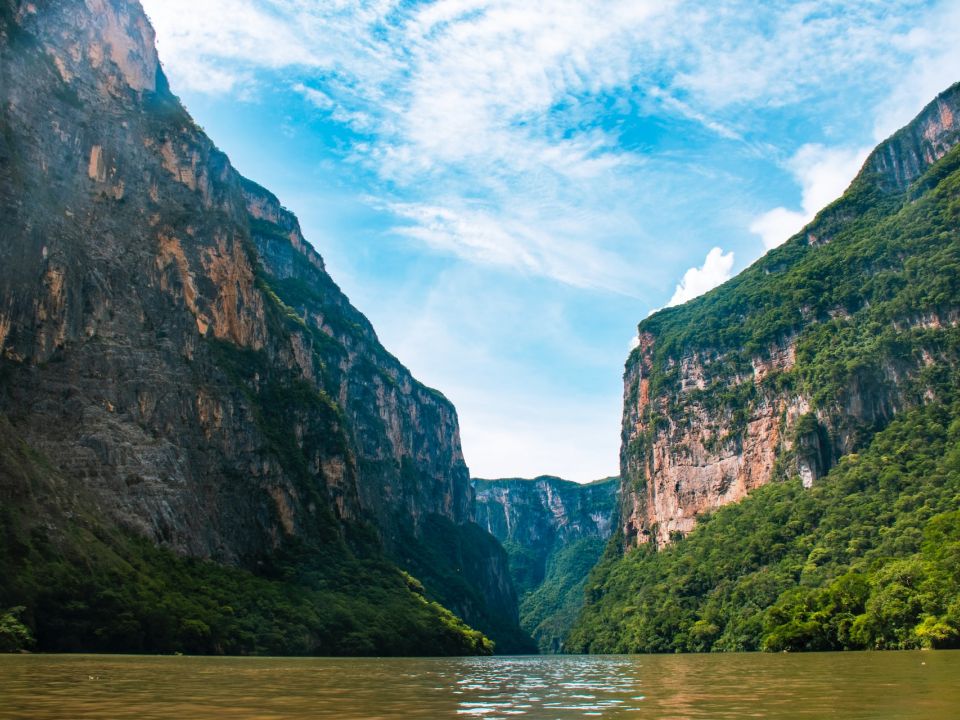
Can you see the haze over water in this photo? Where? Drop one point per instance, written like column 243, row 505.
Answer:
column 853, row 686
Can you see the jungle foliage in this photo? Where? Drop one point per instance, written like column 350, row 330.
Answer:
column 100, row 591
column 867, row 558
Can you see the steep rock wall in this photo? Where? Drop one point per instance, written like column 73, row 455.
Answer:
column 554, row 532
column 760, row 378
column 170, row 341
column 542, row 512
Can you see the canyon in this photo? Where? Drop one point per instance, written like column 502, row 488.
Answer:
column 205, row 448
column 554, row 531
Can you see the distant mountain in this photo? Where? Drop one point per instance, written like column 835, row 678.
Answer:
column 831, row 364
column 203, row 445
column 554, row 531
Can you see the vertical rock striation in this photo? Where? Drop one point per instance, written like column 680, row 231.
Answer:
column 554, row 532
column 172, row 344
column 546, row 511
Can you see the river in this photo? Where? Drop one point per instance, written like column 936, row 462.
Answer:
column 851, row 686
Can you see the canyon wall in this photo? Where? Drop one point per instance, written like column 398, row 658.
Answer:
column 554, row 532
column 785, row 368
column 171, row 344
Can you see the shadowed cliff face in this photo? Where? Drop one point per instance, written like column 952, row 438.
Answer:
column 169, row 340
column 788, row 367
column 554, row 532
column 541, row 513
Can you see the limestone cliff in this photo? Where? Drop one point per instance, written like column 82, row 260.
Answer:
column 801, row 358
column 171, row 344
column 554, row 532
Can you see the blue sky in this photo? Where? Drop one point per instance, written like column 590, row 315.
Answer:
column 506, row 187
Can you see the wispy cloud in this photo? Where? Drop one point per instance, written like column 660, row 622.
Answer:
column 933, row 47
column 356, row 120
column 557, row 246
column 496, row 100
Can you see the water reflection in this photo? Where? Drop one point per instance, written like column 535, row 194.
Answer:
column 547, row 687
column 853, row 686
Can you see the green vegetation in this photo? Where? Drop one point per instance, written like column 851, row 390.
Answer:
column 549, row 610
column 14, row 635
column 853, row 299
column 869, row 295
column 281, row 400
column 87, row 587
column 110, row 592
column 867, row 558
column 550, row 558
column 449, row 558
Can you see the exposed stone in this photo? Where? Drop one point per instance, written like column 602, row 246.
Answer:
column 542, row 512
column 146, row 314
column 682, row 455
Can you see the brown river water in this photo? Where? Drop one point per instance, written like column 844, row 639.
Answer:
column 852, row 686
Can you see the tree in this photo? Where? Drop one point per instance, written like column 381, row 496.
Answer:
column 14, row 635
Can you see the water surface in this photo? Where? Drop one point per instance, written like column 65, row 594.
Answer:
column 852, row 686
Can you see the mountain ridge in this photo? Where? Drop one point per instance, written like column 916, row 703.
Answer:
column 686, row 353
column 790, row 438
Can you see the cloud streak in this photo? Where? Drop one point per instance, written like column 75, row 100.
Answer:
column 499, row 100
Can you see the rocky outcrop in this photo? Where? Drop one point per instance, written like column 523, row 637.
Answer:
column 714, row 455
column 931, row 135
column 170, row 341
column 759, row 378
column 554, row 532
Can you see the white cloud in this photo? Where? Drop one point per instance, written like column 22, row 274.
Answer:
column 230, row 39
column 934, row 47
column 497, row 100
column 316, row 97
column 557, row 247
column 359, row 121
column 696, row 281
column 823, row 174
column 789, row 51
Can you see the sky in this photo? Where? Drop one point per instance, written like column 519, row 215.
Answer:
column 507, row 187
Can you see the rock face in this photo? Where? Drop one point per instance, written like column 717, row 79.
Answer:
column 754, row 380
column 554, row 532
column 546, row 511
column 171, row 342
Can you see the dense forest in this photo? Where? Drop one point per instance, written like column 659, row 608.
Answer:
column 100, row 589
column 869, row 557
